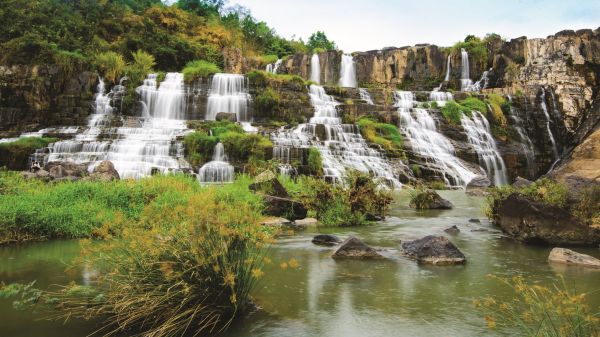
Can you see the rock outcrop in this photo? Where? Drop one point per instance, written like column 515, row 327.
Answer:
column 435, row 250
column 326, row 240
column 429, row 199
column 277, row 200
column 105, row 171
column 354, row 248
column 567, row 256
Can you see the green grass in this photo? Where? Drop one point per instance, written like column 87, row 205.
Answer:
column 29, row 143
column 385, row 135
column 15, row 155
column 453, row 112
column 199, row 69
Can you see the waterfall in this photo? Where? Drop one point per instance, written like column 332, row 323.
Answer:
column 315, row 69
column 341, row 145
column 218, row 170
column 465, row 77
column 139, row 147
column 478, row 132
column 365, row 96
column 440, row 97
column 447, row 78
column 273, row 67
column 228, row 93
column 347, row 72
column 436, row 150
column 102, row 100
column 526, row 143
column 544, row 108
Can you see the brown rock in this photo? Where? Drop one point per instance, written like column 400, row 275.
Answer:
column 435, row 250
column 354, row 248
column 567, row 256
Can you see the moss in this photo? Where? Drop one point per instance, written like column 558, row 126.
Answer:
column 385, row 135
column 474, row 103
column 267, row 100
column 199, row 69
column 261, row 78
column 453, row 112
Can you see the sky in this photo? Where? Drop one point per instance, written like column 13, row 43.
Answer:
column 361, row 25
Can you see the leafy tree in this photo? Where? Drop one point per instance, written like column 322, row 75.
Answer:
column 201, row 7
column 320, row 40
column 110, row 64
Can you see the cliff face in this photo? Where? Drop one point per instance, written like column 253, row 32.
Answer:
column 34, row 97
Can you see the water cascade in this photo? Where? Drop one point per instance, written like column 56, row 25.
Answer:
column 440, row 97
column 102, row 100
column 347, row 72
column 436, row 150
column 218, row 170
column 273, row 67
column 365, row 96
column 139, row 147
column 544, row 108
column 465, row 77
column 478, row 132
column 341, row 145
column 526, row 143
column 228, row 93
column 448, row 64
column 315, row 69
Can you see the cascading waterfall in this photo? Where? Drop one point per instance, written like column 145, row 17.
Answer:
column 218, row 170
column 348, row 72
column 436, row 150
column 478, row 132
column 315, row 69
column 526, row 143
column 448, row 64
column 440, row 97
column 365, row 96
column 341, row 145
column 228, row 93
column 465, row 77
column 140, row 147
column 102, row 100
column 544, row 108
column 273, row 67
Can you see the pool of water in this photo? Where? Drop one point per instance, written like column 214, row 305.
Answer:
column 325, row 297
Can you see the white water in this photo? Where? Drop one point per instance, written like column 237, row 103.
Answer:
column 434, row 148
column 228, row 93
column 479, row 85
column 102, row 100
column 347, row 72
column 544, row 108
column 315, row 69
column 273, row 67
column 342, row 146
column 526, row 143
column 465, row 76
column 478, row 132
column 139, row 147
column 440, row 97
column 365, row 96
column 447, row 78
column 218, row 170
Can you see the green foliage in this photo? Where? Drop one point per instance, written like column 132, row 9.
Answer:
column 244, row 147
column 199, row 69
column 588, row 206
column 453, row 112
column 416, row 169
column 268, row 59
column 111, row 65
column 15, row 155
column 267, row 100
column 320, row 41
column 315, row 162
column 385, row 135
column 421, row 198
column 199, row 147
column 261, row 78
column 474, row 103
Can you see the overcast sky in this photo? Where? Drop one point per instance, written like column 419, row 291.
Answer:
column 360, row 25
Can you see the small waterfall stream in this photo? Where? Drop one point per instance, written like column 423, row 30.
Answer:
column 448, row 69
column 544, row 108
column 478, row 132
column 315, row 69
column 526, row 143
column 365, row 96
column 440, row 97
column 436, row 150
column 228, row 93
column 347, row 72
column 218, row 170
column 465, row 74
column 273, row 67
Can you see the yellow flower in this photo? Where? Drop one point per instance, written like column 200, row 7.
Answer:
column 229, row 279
column 283, row 265
column 491, row 322
column 293, row 263
column 257, row 273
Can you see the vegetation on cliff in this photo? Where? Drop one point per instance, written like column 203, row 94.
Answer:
column 384, row 135
column 15, row 155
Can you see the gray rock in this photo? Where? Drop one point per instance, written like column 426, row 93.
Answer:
column 567, row 256
column 105, row 171
column 430, row 199
column 306, row 222
column 452, row 230
column 478, row 186
column 276, row 222
column 354, row 248
column 521, row 182
column 435, row 250
column 326, row 240
column 226, row 116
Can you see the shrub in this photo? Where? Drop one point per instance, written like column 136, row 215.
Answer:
column 243, row 147
column 453, row 112
column 385, row 135
column 199, row 69
column 267, row 100
column 421, row 198
column 15, row 155
column 140, row 67
column 588, row 206
column 111, row 65
column 474, row 103
column 268, row 59
column 498, row 107
column 199, row 147
column 315, row 162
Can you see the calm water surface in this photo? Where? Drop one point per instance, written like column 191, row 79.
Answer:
column 324, row 297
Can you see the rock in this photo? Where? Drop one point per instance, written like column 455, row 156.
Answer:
column 277, row 206
column 474, row 221
column 326, row 240
column 267, row 183
column 536, row 222
column 452, row 230
column 226, row 116
column 354, row 248
column 435, row 250
column 478, row 186
column 105, row 171
column 62, row 169
column 57, row 172
column 306, row 222
column 567, row 256
column 521, row 182
column 430, row 199
column 275, row 222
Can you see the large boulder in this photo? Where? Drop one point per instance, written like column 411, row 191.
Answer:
column 267, row 183
column 63, row 169
column 105, row 171
column 435, row 250
column 354, row 248
column 567, row 256
column 429, row 199
column 478, row 186
column 326, row 240
column 536, row 222
column 286, row 207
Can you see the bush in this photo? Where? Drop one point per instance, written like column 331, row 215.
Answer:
column 499, row 106
column 267, row 100
column 453, row 112
column 199, row 147
column 421, row 198
column 315, row 162
column 15, row 155
column 199, row 69
column 385, row 135
column 111, row 65
column 474, row 103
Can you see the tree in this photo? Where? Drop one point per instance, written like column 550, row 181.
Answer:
column 319, row 40
column 202, row 7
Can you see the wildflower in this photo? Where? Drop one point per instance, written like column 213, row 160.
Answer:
column 257, row 273
column 293, row 263
column 491, row 322
column 229, row 279
column 283, row 265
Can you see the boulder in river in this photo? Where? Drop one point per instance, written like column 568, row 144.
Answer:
column 537, row 222
column 567, row 256
column 306, row 222
column 478, row 186
column 435, row 250
column 277, row 222
column 354, row 248
column 452, row 230
column 326, row 240
column 429, row 199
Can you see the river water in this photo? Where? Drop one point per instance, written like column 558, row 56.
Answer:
column 324, row 297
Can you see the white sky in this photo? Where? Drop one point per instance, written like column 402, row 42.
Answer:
column 360, row 25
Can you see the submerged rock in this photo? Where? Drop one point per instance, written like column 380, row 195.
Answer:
column 567, row 256
column 429, row 199
column 354, row 248
column 536, row 222
column 452, row 230
column 326, row 240
column 435, row 250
